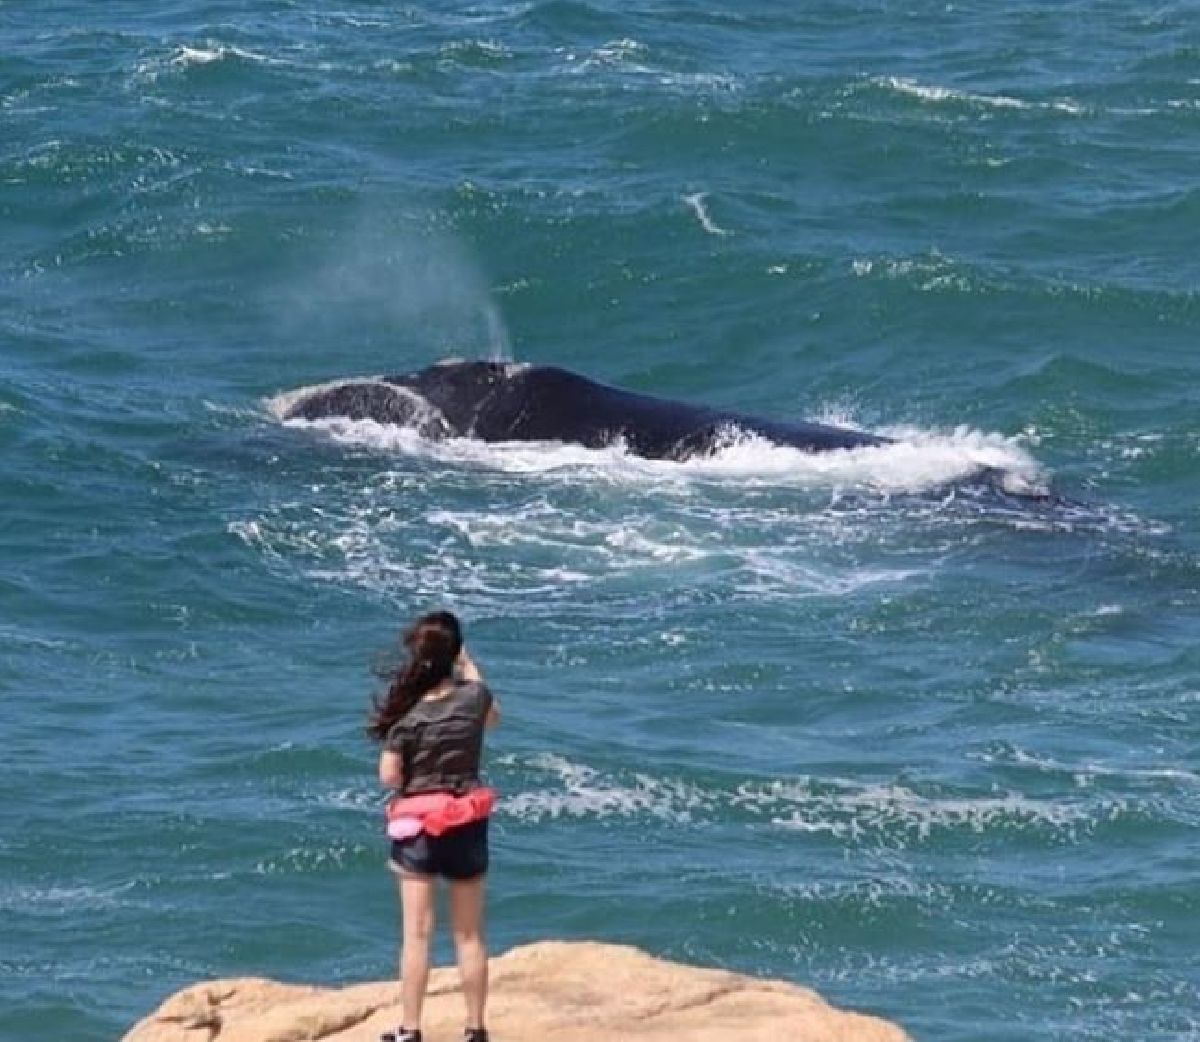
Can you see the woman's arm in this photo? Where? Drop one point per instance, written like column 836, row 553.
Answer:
column 391, row 770
column 467, row 670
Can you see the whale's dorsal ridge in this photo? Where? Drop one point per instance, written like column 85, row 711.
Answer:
column 373, row 398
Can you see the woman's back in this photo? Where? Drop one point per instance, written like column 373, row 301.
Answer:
column 440, row 739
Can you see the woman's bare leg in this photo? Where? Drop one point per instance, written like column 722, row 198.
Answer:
column 470, row 944
column 417, row 903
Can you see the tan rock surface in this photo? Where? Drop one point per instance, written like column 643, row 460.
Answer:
column 557, row 991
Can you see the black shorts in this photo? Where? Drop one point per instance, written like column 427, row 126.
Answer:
column 461, row 853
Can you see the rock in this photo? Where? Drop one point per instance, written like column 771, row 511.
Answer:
column 557, row 991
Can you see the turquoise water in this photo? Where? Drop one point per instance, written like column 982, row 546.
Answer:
column 839, row 720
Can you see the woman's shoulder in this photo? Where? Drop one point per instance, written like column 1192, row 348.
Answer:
column 474, row 691
column 397, row 732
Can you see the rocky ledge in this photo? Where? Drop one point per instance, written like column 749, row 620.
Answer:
column 557, row 991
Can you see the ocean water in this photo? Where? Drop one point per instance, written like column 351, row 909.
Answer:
column 842, row 719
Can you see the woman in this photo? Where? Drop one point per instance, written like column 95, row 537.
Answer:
column 431, row 724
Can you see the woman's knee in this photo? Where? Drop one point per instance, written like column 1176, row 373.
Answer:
column 468, row 933
column 418, row 927
column 417, row 908
column 466, row 910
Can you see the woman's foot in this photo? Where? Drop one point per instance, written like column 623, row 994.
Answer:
column 403, row 1034
column 475, row 1035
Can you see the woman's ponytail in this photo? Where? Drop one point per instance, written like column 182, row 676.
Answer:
column 433, row 643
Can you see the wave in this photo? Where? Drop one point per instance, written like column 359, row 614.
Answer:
column 18, row 636
column 632, row 61
column 1088, row 773
column 576, row 791
column 475, row 53
column 918, row 460
column 490, row 522
column 695, row 203
column 886, row 815
column 210, row 53
column 936, row 94
column 1116, row 292
column 54, row 900
column 185, row 57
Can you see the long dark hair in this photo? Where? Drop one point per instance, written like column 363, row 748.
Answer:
column 433, row 643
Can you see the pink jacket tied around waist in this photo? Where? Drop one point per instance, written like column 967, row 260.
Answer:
column 436, row 812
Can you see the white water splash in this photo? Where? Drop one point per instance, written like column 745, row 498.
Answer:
column 875, row 815
column 695, row 202
column 425, row 417
column 211, row 53
column 1086, row 772
column 918, row 460
column 578, row 791
column 936, row 94
column 186, row 57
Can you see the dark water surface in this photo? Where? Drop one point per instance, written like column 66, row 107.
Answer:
column 929, row 750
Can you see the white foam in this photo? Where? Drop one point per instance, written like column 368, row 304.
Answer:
column 426, row 418
column 207, row 230
column 198, row 55
column 936, row 94
column 494, row 50
column 365, row 800
column 62, row 900
column 281, row 404
column 696, row 202
column 934, row 271
column 462, row 518
column 305, row 860
column 896, row 815
column 624, row 53
column 882, row 815
column 919, row 460
column 578, row 791
column 1086, row 772
column 210, row 53
column 774, row 570
column 16, row 635
column 186, row 57
column 600, row 540
column 633, row 59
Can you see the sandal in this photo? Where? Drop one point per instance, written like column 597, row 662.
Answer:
column 403, row 1034
column 475, row 1035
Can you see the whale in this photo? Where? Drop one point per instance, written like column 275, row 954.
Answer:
column 504, row 402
